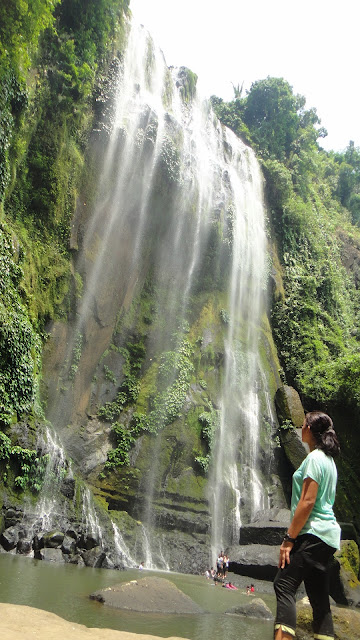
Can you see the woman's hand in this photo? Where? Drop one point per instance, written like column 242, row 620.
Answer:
column 302, row 512
column 285, row 549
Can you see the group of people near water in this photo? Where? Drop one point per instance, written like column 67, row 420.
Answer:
column 220, row 574
column 222, row 568
column 222, row 565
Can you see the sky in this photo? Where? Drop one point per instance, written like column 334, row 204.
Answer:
column 313, row 44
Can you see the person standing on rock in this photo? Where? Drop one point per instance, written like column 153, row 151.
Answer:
column 225, row 565
column 313, row 535
column 220, row 565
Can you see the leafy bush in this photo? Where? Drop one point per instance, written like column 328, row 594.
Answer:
column 29, row 466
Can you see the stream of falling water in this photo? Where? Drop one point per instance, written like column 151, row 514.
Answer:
column 215, row 181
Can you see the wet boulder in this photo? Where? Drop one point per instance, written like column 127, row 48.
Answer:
column 256, row 608
column 94, row 557
column 50, row 555
column 68, row 545
column 38, row 543
column 53, row 539
column 147, row 595
column 74, row 559
column 12, row 517
column 89, row 541
column 24, row 546
column 9, row 538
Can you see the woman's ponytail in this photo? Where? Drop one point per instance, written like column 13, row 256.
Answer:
column 323, row 431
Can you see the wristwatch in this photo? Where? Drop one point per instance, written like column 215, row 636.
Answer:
column 288, row 538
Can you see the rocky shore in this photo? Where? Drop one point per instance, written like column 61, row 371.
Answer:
column 18, row 622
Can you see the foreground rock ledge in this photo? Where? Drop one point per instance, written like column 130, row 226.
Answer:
column 346, row 622
column 18, row 622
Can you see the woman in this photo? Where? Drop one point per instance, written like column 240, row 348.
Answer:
column 313, row 535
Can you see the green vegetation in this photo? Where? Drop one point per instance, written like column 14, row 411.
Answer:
column 27, row 467
column 209, row 421
column 348, row 186
column 314, row 322
column 20, row 346
column 348, row 557
column 53, row 54
column 187, row 80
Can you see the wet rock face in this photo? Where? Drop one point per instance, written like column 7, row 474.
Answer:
column 257, row 561
column 72, row 544
column 268, row 528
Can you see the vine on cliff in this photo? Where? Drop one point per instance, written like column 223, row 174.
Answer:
column 29, row 467
column 20, row 346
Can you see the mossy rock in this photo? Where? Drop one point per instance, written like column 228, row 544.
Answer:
column 346, row 622
column 293, row 447
column 289, row 407
column 349, row 558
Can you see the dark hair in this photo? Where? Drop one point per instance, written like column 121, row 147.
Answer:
column 323, row 431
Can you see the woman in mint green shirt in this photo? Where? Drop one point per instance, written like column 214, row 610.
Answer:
column 313, row 535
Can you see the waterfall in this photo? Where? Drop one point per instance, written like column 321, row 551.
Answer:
column 171, row 179
column 48, row 512
column 235, row 452
column 90, row 518
column 121, row 548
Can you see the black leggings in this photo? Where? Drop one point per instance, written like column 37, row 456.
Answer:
column 309, row 558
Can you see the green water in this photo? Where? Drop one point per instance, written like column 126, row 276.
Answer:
column 65, row 589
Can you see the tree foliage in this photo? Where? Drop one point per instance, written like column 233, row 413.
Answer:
column 307, row 190
column 51, row 52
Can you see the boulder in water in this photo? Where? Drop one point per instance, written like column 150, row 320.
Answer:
column 93, row 557
column 50, row 555
column 147, row 595
column 9, row 538
column 254, row 609
column 53, row 539
column 68, row 545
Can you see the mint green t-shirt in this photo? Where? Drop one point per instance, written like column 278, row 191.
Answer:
column 321, row 521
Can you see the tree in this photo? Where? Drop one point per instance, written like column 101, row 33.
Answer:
column 271, row 113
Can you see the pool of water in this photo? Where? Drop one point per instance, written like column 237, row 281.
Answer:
column 65, row 589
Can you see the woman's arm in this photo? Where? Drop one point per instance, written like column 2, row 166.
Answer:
column 301, row 515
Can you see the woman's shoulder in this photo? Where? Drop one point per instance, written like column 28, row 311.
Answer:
column 320, row 458
column 315, row 457
column 317, row 453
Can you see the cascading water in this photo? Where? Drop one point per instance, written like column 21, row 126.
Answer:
column 236, row 441
column 121, row 548
column 89, row 517
column 172, row 179
column 48, row 513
